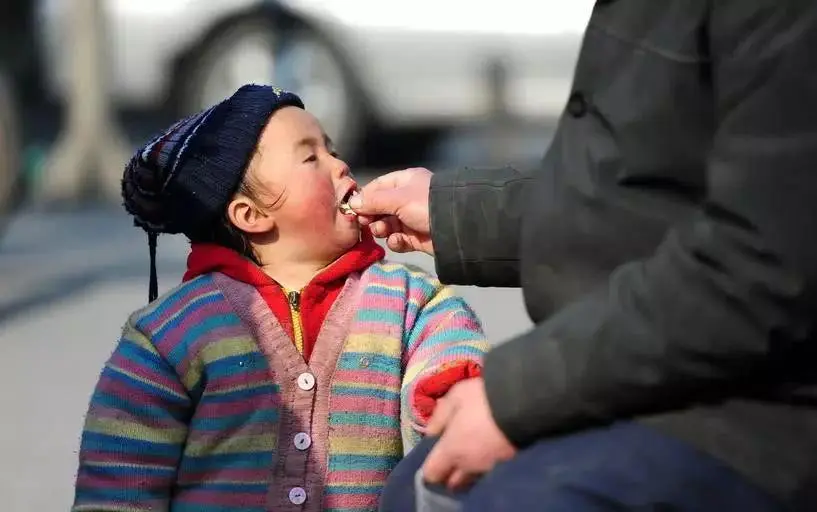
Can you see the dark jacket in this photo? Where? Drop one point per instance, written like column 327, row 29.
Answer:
column 667, row 245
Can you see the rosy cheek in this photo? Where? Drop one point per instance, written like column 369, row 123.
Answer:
column 312, row 199
column 315, row 204
column 324, row 195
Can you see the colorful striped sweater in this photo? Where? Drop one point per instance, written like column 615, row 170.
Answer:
column 206, row 405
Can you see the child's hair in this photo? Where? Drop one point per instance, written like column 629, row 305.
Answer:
column 182, row 180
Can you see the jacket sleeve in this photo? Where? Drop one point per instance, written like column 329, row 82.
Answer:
column 134, row 431
column 728, row 298
column 475, row 217
column 445, row 345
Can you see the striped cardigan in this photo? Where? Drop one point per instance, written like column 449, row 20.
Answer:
column 207, row 406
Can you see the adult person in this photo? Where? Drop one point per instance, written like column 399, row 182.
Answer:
column 667, row 252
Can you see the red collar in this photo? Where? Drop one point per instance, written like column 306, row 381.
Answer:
column 207, row 258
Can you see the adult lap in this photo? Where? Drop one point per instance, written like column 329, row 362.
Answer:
column 623, row 467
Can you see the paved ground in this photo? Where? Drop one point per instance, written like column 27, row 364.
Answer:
column 67, row 283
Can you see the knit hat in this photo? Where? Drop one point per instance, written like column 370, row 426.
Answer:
column 182, row 180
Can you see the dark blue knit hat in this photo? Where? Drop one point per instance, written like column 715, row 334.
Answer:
column 182, row 180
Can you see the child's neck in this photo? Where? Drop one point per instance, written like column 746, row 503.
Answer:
column 292, row 275
column 292, row 279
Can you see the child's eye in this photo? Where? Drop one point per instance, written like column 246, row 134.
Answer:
column 311, row 158
column 335, row 154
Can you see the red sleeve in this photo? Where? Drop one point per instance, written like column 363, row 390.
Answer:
column 431, row 388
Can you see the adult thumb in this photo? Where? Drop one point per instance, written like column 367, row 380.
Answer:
column 377, row 202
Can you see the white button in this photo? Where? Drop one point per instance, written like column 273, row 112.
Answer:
column 306, row 381
column 302, row 441
column 297, row 495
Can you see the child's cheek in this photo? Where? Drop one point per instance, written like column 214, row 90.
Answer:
column 316, row 208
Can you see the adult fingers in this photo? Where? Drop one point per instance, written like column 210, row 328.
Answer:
column 443, row 411
column 385, row 195
column 385, row 226
column 394, row 179
column 398, row 242
column 401, row 243
column 385, row 181
column 380, row 228
column 460, row 479
column 383, row 201
column 439, row 465
column 367, row 220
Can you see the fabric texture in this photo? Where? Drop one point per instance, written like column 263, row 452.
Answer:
column 205, row 400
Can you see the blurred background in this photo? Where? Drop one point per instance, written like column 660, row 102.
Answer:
column 441, row 84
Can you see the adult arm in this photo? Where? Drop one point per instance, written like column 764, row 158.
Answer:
column 728, row 297
column 475, row 219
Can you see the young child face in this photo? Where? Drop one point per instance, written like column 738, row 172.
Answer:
column 305, row 180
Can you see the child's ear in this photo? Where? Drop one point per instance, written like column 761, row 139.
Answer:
column 246, row 216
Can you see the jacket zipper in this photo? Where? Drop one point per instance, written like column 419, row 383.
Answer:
column 294, row 300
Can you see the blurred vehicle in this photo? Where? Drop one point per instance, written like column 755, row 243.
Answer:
column 10, row 142
column 356, row 63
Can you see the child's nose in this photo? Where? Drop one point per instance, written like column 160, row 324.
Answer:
column 341, row 169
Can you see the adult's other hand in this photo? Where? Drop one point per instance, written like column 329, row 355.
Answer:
column 395, row 207
column 470, row 443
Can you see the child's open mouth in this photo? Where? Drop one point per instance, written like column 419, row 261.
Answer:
column 343, row 205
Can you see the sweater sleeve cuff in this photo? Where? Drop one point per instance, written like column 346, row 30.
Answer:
column 432, row 387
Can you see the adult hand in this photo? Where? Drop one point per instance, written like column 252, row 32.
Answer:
column 470, row 442
column 395, row 207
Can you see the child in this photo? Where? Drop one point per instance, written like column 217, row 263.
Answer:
column 293, row 367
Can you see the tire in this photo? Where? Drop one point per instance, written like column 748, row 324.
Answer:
column 10, row 149
column 297, row 59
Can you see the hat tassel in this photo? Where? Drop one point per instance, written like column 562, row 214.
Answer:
column 153, row 290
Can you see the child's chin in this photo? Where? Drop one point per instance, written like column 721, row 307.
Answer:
column 351, row 238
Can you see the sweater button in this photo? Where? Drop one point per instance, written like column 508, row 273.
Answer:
column 302, row 441
column 297, row 495
column 306, row 381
